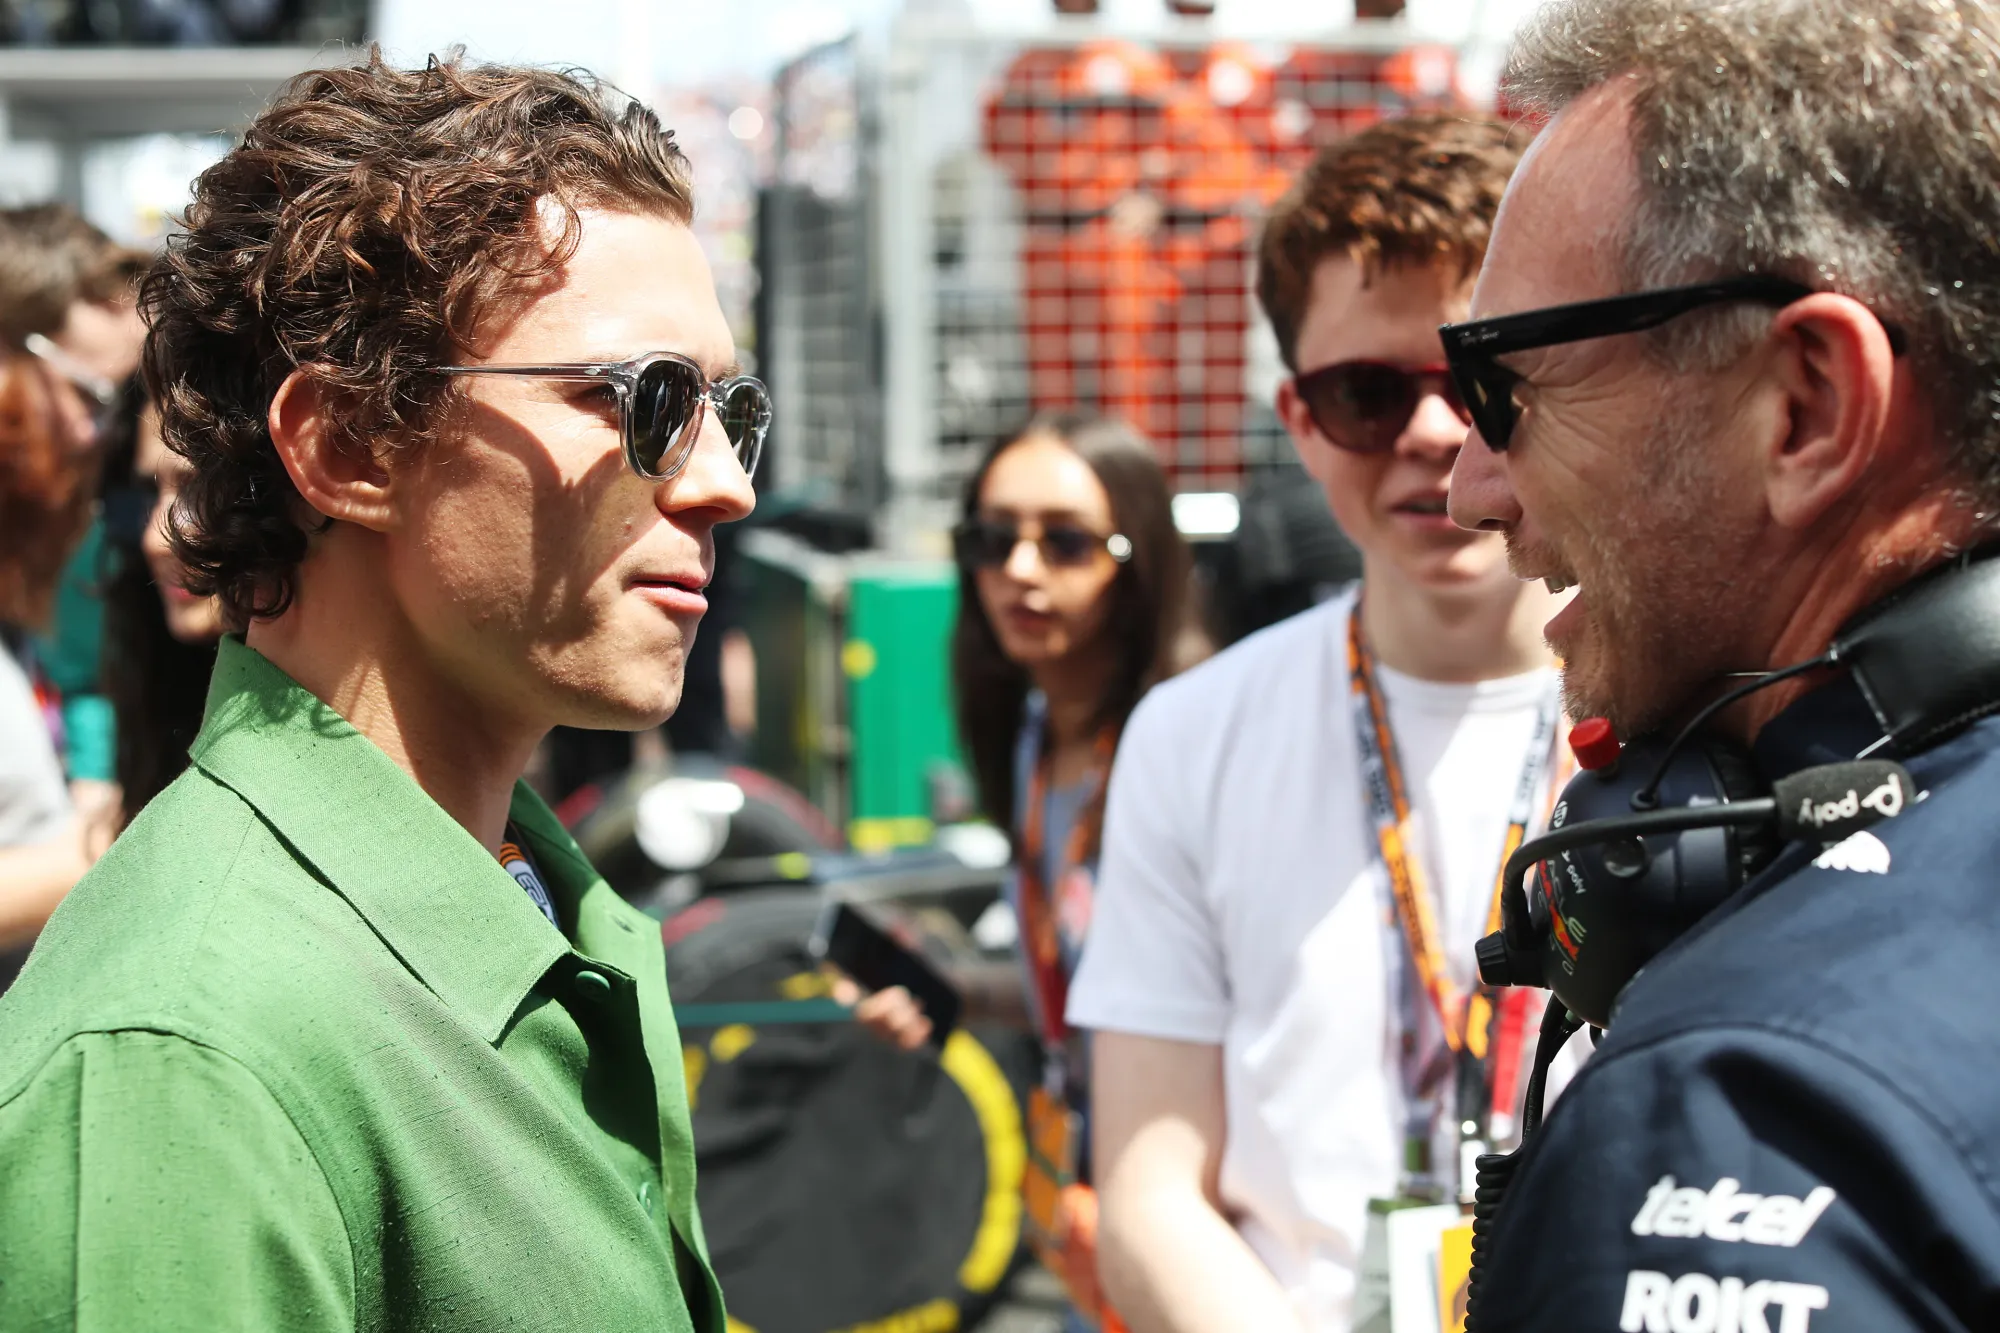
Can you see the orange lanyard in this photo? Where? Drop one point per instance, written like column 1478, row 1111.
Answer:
column 1466, row 1018
column 1038, row 915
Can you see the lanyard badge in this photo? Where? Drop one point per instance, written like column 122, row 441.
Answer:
column 1486, row 1043
column 1051, row 912
column 1059, row 1209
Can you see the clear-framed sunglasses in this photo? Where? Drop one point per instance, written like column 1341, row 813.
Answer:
column 100, row 391
column 662, row 398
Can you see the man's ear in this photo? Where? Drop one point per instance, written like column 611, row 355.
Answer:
column 1310, row 445
column 347, row 484
column 1838, row 373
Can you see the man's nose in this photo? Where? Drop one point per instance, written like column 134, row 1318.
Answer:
column 1481, row 495
column 713, row 479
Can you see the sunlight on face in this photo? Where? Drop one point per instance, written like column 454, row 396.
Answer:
column 1623, row 479
column 534, row 565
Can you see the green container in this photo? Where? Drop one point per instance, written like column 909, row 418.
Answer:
column 792, row 607
column 897, row 658
column 853, row 683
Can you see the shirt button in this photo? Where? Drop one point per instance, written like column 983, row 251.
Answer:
column 646, row 1196
column 593, row 985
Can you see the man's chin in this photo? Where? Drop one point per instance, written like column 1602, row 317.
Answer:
column 1589, row 693
column 1587, row 690
column 625, row 705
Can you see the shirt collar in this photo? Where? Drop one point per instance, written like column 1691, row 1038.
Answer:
column 1827, row 725
column 454, row 916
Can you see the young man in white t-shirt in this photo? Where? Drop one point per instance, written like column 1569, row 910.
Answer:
column 1270, row 1052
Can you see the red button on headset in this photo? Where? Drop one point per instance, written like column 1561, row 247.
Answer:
column 1594, row 744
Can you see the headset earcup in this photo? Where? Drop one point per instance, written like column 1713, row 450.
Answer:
column 1737, row 779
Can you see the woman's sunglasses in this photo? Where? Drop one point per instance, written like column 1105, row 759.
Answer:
column 988, row 543
column 1365, row 406
column 662, row 397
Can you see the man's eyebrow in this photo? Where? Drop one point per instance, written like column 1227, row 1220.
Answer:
column 730, row 371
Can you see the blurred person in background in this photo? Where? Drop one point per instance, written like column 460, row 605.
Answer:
column 1072, row 605
column 71, row 294
column 1305, row 834
column 48, row 465
column 91, row 278
column 159, row 638
column 355, row 1035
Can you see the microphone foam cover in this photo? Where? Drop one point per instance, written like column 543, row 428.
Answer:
column 1830, row 802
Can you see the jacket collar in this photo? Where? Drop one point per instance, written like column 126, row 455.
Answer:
column 444, row 905
column 1829, row 724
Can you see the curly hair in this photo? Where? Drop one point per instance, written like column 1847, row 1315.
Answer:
column 1419, row 190
column 369, row 220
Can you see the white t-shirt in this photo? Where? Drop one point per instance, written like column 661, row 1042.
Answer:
column 1241, row 901
column 34, row 798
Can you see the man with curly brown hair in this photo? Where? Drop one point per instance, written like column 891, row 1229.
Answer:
column 344, row 1032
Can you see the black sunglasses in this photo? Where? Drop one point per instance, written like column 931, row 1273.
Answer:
column 662, row 397
column 1364, row 406
column 1487, row 387
column 988, row 543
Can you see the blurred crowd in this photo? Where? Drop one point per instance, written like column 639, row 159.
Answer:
column 102, row 638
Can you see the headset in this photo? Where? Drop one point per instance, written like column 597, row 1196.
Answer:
column 1655, row 833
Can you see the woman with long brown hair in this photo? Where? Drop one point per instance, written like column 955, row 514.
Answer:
column 1072, row 604
column 159, row 638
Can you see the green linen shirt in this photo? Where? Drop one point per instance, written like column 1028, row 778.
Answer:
column 300, row 1054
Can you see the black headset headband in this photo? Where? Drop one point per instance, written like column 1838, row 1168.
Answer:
column 1927, row 658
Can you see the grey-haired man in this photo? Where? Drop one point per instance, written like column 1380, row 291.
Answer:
column 1794, row 1122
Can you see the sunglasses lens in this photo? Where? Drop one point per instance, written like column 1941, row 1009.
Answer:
column 664, row 403
column 983, row 544
column 1361, row 406
column 1068, row 546
column 746, row 416
column 1487, row 391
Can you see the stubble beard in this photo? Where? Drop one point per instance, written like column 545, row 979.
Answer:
column 1658, row 585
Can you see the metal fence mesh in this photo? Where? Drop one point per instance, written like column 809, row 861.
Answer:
column 1089, row 217
column 816, row 337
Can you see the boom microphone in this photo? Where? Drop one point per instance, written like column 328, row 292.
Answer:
column 1835, row 801
column 1607, row 891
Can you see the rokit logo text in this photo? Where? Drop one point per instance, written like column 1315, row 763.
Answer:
column 1725, row 1213
column 1698, row 1303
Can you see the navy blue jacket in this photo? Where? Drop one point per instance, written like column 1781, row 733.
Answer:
column 1793, row 1124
